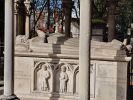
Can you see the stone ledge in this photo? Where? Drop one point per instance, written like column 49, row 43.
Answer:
column 67, row 56
column 44, row 97
column 12, row 97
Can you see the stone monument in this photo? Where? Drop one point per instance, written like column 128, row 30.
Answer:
column 51, row 70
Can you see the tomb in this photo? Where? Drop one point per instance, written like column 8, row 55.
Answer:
column 55, row 70
column 50, row 71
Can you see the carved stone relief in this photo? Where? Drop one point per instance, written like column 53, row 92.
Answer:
column 21, row 39
column 63, row 78
column 60, row 78
column 43, row 77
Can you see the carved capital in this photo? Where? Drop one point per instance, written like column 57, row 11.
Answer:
column 27, row 4
column 19, row 6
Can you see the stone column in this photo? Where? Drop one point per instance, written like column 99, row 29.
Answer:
column 84, row 50
column 27, row 27
column 8, row 51
column 15, row 19
column 27, row 22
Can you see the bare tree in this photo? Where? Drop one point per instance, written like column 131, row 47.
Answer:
column 67, row 9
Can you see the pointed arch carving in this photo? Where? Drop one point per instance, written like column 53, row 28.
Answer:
column 76, row 80
column 57, row 78
column 43, row 77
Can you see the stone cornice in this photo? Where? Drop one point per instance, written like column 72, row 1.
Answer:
column 68, row 56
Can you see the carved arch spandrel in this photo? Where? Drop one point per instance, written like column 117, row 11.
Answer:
column 38, row 68
column 57, row 73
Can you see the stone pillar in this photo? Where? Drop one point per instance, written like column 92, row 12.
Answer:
column 15, row 18
column 20, row 17
column 27, row 22
column 8, row 51
column 84, row 50
column 27, row 27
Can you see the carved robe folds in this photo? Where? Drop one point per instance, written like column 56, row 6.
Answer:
column 44, row 76
column 63, row 80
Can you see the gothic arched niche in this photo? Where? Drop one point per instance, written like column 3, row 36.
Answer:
column 43, row 77
column 76, row 80
column 63, row 78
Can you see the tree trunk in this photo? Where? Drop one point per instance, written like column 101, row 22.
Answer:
column 111, row 22
column 67, row 9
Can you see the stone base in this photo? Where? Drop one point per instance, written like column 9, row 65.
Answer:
column 12, row 97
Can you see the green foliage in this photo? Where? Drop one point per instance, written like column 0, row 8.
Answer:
column 98, row 21
column 125, row 17
column 99, row 8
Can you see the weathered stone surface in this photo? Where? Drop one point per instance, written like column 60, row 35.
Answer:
column 21, row 39
column 61, row 45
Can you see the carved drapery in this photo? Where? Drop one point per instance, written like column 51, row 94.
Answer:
column 43, row 77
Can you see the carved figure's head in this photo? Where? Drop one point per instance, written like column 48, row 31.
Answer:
column 63, row 68
column 44, row 67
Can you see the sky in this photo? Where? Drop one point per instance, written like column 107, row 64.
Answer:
column 40, row 3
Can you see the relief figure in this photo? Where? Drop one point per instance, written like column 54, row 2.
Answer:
column 44, row 76
column 63, row 80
